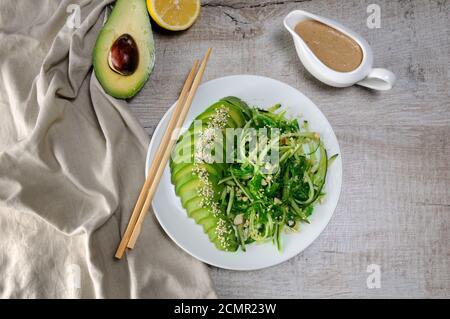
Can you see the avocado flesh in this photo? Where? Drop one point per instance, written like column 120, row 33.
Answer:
column 187, row 183
column 187, row 173
column 127, row 17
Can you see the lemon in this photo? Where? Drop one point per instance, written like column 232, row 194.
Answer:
column 174, row 15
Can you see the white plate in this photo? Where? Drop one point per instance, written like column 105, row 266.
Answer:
column 256, row 91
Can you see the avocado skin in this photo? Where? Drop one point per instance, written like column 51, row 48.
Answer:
column 127, row 17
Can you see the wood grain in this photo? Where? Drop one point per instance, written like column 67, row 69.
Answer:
column 394, row 209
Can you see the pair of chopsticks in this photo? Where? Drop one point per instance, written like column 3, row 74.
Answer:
column 155, row 171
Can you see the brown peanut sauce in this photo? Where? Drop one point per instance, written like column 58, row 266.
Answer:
column 332, row 47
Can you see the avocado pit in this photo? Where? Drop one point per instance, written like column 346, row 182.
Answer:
column 123, row 57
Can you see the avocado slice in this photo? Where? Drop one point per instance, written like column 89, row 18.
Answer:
column 128, row 29
column 200, row 214
column 187, row 185
column 187, row 173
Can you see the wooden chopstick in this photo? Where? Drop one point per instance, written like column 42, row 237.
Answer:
column 136, row 231
column 158, row 157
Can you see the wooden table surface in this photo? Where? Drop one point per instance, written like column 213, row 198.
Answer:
column 394, row 209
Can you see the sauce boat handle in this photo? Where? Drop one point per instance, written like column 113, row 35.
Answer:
column 379, row 79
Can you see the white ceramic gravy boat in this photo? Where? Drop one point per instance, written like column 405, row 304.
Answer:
column 364, row 74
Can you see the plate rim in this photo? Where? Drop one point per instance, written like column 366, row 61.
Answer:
column 147, row 164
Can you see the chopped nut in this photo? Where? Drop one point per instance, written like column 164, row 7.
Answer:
column 239, row 219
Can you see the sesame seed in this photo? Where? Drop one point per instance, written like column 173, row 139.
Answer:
column 206, row 140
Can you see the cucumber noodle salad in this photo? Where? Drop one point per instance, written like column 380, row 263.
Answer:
column 261, row 199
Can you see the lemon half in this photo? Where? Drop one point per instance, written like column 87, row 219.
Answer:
column 174, row 15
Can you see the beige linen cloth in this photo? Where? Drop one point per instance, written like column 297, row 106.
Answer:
column 71, row 165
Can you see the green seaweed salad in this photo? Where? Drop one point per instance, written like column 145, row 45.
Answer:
column 273, row 185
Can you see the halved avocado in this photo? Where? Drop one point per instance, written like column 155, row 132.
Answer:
column 128, row 29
